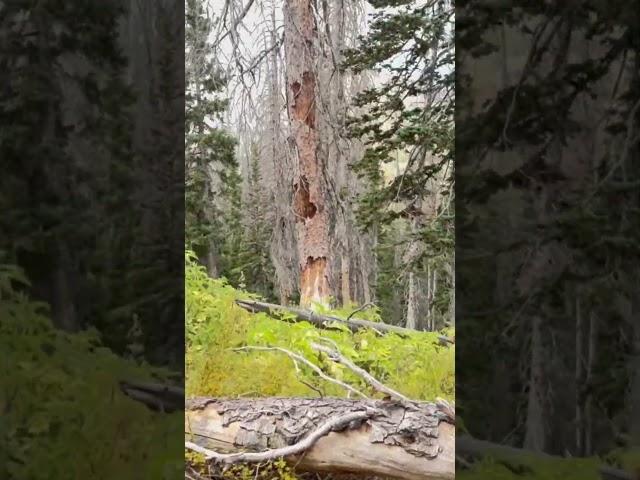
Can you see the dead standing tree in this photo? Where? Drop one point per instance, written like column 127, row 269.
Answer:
column 310, row 195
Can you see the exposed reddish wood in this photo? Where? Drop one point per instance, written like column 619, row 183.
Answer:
column 314, row 283
column 304, row 208
column 303, row 106
column 309, row 203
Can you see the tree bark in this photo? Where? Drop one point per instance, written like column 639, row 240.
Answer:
column 310, row 195
column 346, row 284
column 403, row 440
column 535, row 430
column 579, row 376
column 412, row 304
column 589, row 417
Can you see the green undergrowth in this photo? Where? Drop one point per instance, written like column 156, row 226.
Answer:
column 60, row 402
column 583, row 469
column 216, row 328
column 552, row 468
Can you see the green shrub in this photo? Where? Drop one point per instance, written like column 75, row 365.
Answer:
column 60, row 402
column 416, row 365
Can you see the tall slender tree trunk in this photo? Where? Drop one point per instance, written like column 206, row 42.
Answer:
column 432, row 299
column 633, row 399
column 579, row 377
column 346, row 284
column 412, row 303
column 64, row 307
column 310, row 195
column 535, row 429
column 588, row 407
column 452, row 302
column 212, row 263
column 283, row 241
column 413, row 252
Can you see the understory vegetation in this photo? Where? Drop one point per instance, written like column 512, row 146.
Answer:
column 220, row 362
column 225, row 353
column 550, row 469
column 61, row 395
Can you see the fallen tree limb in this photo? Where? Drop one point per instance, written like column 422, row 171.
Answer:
column 336, row 356
column 400, row 440
column 297, row 357
column 155, row 396
column 467, row 445
column 324, row 321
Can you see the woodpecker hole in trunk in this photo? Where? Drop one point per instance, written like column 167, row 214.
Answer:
column 304, row 99
column 303, row 206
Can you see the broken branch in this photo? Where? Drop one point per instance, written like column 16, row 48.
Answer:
column 324, row 321
column 366, row 376
column 294, row 356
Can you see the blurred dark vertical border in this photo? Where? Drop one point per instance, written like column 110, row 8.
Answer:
column 91, row 238
column 548, row 217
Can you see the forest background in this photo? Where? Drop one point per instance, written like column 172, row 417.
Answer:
column 319, row 174
column 385, row 121
column 568, row 380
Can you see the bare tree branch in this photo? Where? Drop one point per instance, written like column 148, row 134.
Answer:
column 301, row 446
column 336, row 356
column 297, row 357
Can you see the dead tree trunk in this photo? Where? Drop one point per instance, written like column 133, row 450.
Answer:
column 403, row 440
column 310, row 195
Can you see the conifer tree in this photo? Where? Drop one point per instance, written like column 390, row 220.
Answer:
column 254, row 258
column 407, row 126
column 211, row 167
column 65, row 143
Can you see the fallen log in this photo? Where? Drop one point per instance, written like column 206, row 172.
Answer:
column 403, row 440
column 325, row 321
column 156, row 396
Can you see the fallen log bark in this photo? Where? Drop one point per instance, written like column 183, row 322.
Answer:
column 403, row 440
column 324, row 321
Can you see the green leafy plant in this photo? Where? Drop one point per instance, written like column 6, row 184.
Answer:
column 59, row 394
column 220, row 361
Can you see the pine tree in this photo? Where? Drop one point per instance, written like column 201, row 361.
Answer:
column 254, row 262
column 64, row 144
column 408, row 121
column 211, row 167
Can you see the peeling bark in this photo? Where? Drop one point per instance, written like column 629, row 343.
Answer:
column 314, row 282
column 310, row 199
column 402, row 440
